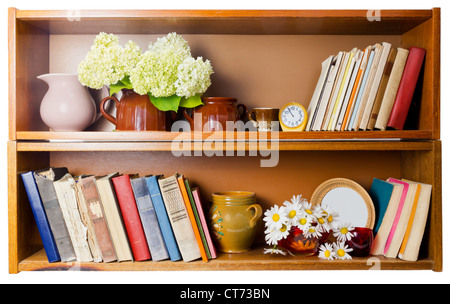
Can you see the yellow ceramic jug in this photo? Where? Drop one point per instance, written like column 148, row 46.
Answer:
column 235, row 219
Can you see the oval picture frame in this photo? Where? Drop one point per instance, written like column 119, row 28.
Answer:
column 323, row 189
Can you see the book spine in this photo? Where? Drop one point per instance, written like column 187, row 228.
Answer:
column 97, row 216
column 176, row 210
column 163, row 219
column 406, row 88
column 192, row 218
column 130, row 214
column 67, row 198
column 391, row 89
column 84, row 213
column 40, row 217
column 201, row 213
column 383, row 84
column 55, row 217
column 149, row 221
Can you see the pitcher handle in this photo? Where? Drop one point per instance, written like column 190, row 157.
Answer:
column 103, row 111
column 244, row 111
column 188, row 118
column 257, row 216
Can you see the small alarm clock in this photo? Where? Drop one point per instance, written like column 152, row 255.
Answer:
column 293, row 117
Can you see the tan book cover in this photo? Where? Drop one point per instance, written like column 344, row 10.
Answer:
column 66, row 192
column 113, row 217
column 84, row 214
column 382, row 89
column 179, row 218
column 391, row 89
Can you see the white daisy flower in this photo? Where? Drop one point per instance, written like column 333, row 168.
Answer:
column 326, row 252
column 312, row 232
column 272, row 237
column 293, row 211
column 274, row 250
column 341, row 251
column 331, row 218
column 307, row 207
column 275, row 217
column 344, row 233
column 304, row 221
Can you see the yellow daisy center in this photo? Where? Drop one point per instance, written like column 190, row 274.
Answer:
column 330, row 219
column 308, row 211
column 327, row 253
column 312, row 230
column 341, row 252
column 283, row 228
column 302, row 221
column 276, row 217
column 321, row 221
column 292, row 213
column 344, row 230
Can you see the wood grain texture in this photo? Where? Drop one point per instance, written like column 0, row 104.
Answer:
column 225, row 21
column 250, row 261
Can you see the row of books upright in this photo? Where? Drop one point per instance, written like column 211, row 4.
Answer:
column 117, row 217
column 368, row 89
column 401, row 208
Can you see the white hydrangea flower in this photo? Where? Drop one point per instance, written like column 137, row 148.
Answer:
column 193, row 77
column 102, row 64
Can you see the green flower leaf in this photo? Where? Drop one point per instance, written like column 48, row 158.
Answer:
column 170, row 103
column 191, row 102
column 123, row 84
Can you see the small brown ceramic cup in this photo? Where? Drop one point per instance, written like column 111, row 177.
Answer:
column 264, row 119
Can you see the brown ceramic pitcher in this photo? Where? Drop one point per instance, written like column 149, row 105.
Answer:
column 215, row 112
column 135, row 113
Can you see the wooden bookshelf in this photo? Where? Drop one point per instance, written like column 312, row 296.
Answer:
column 305, row 158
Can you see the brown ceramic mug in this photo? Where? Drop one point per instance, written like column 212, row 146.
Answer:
column 264, row 119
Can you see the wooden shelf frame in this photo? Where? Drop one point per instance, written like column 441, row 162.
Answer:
column 416, row 153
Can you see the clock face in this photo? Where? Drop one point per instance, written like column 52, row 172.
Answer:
column 292, row 116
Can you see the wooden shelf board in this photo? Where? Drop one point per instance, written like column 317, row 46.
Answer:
column 393, row 22
column 252, row 260
column 247, row 135
column 229, row 146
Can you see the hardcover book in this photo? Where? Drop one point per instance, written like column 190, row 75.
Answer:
column 67, row 197
column 86, row 219
column 40, row 217
column 113, row 217
column 163, row 219
column 97, row 216
column 130, row 214
column 149, row 221
column 380, row 192
column 391, row 89
column 198, row 203
column 44, row 181
column 179, row 218
column 406, row 88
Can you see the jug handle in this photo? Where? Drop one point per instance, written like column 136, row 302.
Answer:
column 258, row 214
column 102, row 109
column 188, row 118
column 244, row 111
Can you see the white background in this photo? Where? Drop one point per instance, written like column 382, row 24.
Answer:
column 277, row 277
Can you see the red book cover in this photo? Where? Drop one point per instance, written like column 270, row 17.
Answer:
column 131, row 219
column 406, row 88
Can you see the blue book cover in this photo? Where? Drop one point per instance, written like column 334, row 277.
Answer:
column 361, row 89
column 148, row 218
column 41, row 218
column 380, row 192
column 163, row 218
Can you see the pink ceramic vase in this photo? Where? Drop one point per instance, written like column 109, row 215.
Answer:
column 67, row 105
